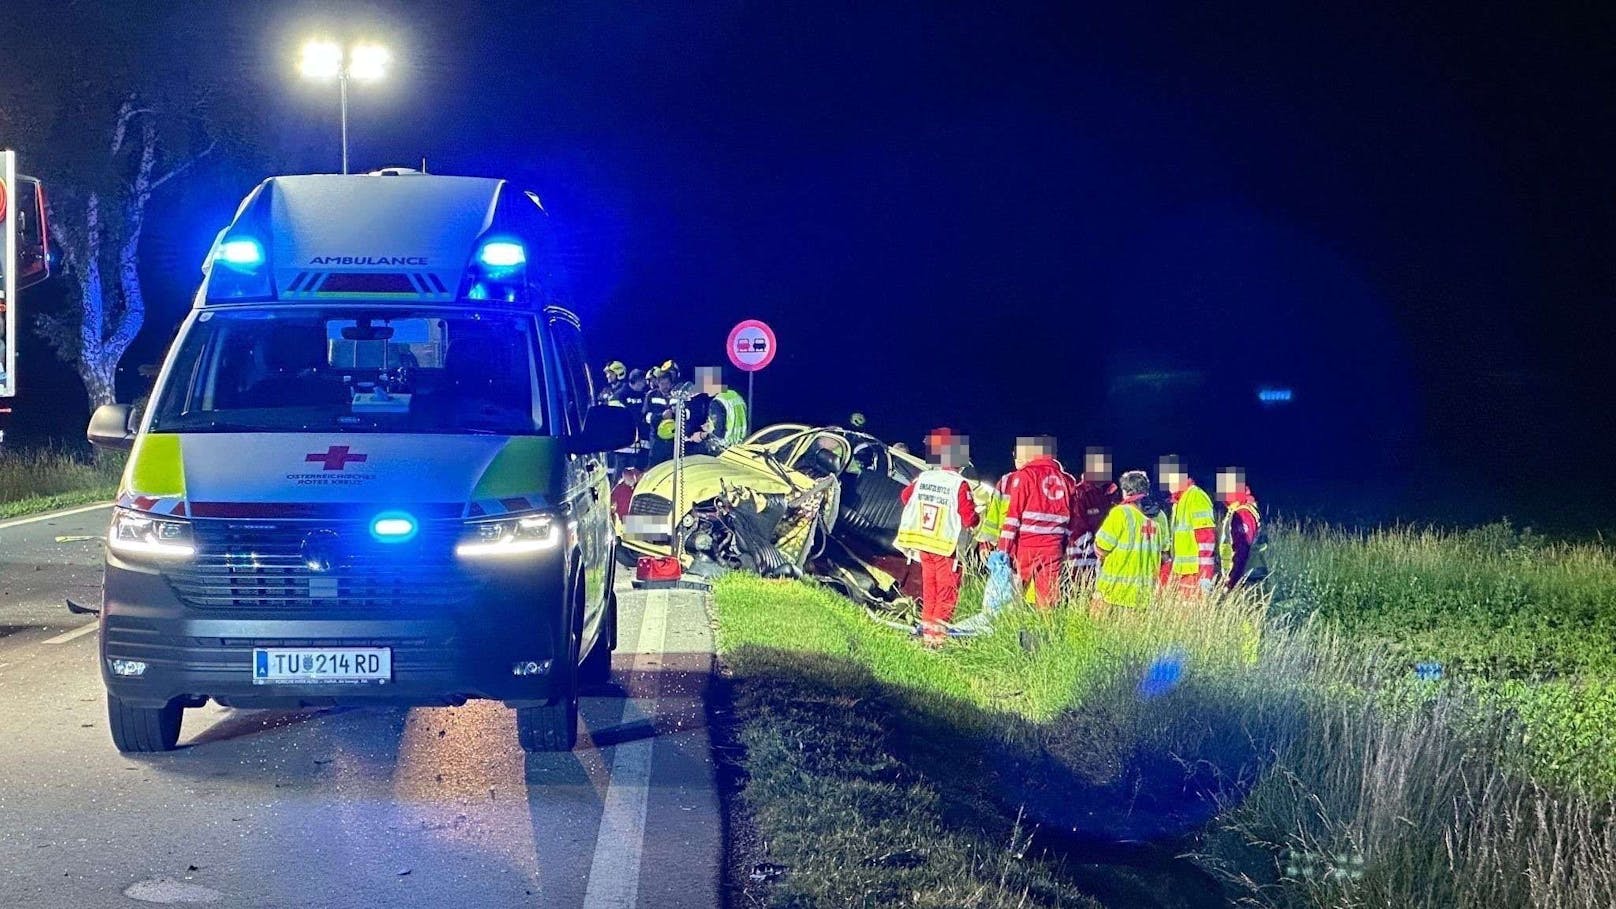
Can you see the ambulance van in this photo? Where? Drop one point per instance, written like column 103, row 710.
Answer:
column 369, row 472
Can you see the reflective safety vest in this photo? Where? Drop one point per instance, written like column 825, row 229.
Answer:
column 1131, row 546
column 1192, row 512
column 997, row 507
column 931, row 520
column 735, row 415
column 1256, row 567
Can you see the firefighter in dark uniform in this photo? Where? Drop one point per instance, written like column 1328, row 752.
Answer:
column 631, row 394
column 657, row 409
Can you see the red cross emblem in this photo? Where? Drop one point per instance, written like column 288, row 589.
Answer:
column 335, row 458
column 1149, row 530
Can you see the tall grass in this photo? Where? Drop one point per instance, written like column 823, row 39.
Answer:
column 1524, row 622
column 39, row 479
column 1385, row 791
column 1493, row 601
column 1338, row 778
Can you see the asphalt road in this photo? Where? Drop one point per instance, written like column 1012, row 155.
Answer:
column 338, row 808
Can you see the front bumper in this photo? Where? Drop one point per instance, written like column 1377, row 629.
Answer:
column 440, row 656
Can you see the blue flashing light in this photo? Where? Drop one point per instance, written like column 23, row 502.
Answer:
column 242, row 253
column 1274, row 395
column 393, row 527
column 502, row 254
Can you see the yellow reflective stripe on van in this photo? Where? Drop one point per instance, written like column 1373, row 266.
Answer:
column 525, row 465
column 155, row 466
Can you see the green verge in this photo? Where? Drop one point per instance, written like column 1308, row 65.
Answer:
column 1307, row 762
column 22, row 508
column 878, row 773
column 1523, row 621
column 38, row 481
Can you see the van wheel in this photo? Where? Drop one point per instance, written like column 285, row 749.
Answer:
column 550, row 728
column 140, row 730
column 596, row 669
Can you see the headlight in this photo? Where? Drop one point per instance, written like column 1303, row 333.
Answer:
column 510, row 536
column 135, row 533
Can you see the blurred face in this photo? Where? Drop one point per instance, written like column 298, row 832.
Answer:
column 1172, row 475
column 709, row 380
column 955, row 454
column 1097, row 465
column 1229, row 483
column 1030, row 448
column 664, row 384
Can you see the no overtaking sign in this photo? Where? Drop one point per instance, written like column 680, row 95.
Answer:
column 751, row 345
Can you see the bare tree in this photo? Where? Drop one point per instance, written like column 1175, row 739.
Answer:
column 98, row 231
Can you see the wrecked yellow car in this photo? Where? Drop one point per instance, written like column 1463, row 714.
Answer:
column 789, row 501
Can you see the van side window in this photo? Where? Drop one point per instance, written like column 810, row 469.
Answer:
column 570, row 345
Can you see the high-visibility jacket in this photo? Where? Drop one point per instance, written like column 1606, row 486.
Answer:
column 1132, row 548
column 1041, row 511
column 1194, row 533
column 993, row 512
column 1242, row 547
column 937, row 507
column 726, row 417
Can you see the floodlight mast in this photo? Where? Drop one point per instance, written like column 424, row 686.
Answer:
column 324, row 59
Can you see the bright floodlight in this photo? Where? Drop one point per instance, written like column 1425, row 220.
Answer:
column 321, row 60
column 368, row 62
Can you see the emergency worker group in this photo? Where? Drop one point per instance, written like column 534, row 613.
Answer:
column 1062, row 533
column 715, row 416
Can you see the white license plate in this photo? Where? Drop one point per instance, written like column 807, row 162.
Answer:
column 305, row 665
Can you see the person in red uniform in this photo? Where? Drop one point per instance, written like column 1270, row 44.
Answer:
column 1095, row 496
column 937, row 510
column 1242, row 553
column 1041, row 519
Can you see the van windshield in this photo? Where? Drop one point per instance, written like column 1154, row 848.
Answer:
column 351, row 370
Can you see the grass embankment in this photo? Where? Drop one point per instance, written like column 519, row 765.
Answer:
column 34, row 481
column 1316, row 772
column 1517, row 619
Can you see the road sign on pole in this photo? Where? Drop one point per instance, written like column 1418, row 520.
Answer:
column 751, row 347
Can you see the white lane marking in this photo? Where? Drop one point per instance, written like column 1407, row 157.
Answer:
column 18, row 522
column 614, row 875
column 73, row 635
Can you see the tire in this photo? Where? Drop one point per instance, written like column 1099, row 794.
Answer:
column 143, row 730
column 554, row 727
column 596, row 669
column 550, row 728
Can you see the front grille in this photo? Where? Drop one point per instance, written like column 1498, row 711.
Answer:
column 649, row 505
column 265, row 565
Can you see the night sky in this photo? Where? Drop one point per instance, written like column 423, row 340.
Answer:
column 1112, row 224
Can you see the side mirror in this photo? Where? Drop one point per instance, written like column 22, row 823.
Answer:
column 109, row 427
column 606, row 428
